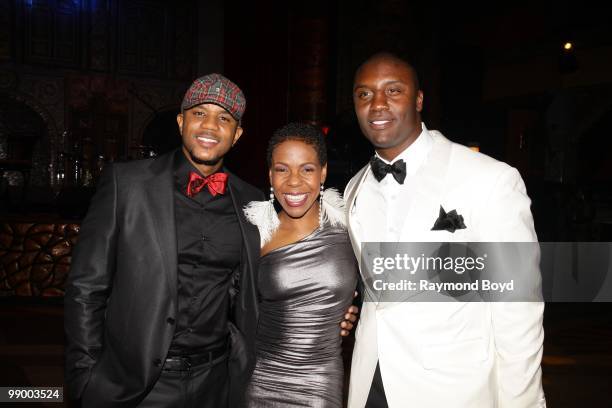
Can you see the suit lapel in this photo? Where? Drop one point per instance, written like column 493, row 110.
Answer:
column 250, row 237
column 160, row 197
column 350, row 202
column 429, row 190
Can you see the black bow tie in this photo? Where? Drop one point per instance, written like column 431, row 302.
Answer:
column 381, row 169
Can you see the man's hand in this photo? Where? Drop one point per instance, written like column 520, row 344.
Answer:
column 349, row 318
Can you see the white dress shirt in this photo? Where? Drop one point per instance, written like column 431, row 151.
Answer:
column 380, row 207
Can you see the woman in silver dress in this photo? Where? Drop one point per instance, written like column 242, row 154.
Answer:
column 307, row 276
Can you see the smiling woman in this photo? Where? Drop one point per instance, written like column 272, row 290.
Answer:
column 296, row 175
column 307, row 275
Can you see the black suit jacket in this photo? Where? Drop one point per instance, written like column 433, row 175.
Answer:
column 121, row 293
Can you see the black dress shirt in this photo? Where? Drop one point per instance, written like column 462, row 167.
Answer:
column 209, row 248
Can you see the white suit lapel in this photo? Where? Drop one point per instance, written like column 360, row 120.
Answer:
column 430, row 190
column 353, row 224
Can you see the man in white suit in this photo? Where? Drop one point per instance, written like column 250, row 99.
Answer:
column 454, row 354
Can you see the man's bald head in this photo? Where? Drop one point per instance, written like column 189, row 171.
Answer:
column 388, row 103
column 391, row 58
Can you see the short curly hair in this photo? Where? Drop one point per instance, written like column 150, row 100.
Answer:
column 303, row 132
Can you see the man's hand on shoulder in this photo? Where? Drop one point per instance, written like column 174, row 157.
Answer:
column 349, row 319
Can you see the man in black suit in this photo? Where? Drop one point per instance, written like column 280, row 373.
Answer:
column 161, row 296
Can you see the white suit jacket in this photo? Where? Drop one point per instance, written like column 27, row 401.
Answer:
column 459, row 355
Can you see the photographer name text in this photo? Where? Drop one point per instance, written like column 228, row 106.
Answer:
column 425, row 285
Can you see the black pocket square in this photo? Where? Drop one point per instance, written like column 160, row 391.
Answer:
column 450, row 221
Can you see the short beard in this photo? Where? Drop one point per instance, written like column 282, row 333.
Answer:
column 205, row 162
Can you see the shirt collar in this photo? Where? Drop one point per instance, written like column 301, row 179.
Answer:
column 182, row 167
column 415, row 154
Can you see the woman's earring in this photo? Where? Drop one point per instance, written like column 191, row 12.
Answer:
column 271, row 195
column 321, row 205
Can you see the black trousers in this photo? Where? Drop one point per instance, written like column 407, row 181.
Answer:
column 203, row 386
column 376, row 397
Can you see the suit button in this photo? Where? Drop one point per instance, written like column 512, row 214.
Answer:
column 170, row 320
column 157, row 362
column 204, row 237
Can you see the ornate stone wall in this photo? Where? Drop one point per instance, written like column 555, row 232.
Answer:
column 35, row 258
column 134, row 58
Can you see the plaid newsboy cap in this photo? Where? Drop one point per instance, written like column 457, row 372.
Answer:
column 216, row 89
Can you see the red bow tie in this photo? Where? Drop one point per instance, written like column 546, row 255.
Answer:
column 216, row 183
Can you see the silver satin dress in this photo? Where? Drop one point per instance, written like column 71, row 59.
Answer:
column 305, row 289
